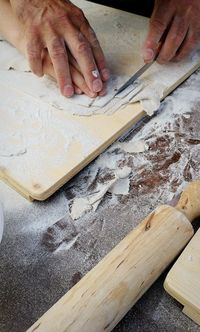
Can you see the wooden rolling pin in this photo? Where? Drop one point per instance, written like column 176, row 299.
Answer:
column 101, row 298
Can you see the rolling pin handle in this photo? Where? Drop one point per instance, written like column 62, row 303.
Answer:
column 189, row 202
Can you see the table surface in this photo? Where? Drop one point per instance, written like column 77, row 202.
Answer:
column 44, row 252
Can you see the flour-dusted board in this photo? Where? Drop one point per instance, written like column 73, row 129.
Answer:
column 183, row 282
column 46, row 139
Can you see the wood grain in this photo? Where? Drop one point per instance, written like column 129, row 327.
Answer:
column 100, row 300
column 183, row 282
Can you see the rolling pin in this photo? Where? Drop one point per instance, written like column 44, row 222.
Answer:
column 105, row 294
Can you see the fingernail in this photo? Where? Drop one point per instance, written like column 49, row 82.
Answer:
column 95, row 73
column 97, row 85
column 105, row 74
column 148, row 54
column 68, row 91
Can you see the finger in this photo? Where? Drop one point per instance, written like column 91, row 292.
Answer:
column 81, row 51
column 47, row 64
column 59, row 58
column 174, row 39
column 34, row 55
column 90, row 35
column 73, row 62
column 48, row 69
column 159, row 22
column 188, row 45
column 80, row 83
column 82, row 24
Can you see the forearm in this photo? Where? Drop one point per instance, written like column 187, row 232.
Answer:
column 10, row 27
column 12, row 30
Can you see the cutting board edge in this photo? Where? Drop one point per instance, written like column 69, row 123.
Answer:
column 43, row 195
column 46, row 194
column 181, row 80
column 14, row 185
column 189, row 309
column 174, row 285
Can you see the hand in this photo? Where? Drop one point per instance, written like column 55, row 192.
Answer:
column 59, row 27
column 78, row 80
column 178, row 21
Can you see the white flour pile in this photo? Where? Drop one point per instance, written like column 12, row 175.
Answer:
column 133, row 155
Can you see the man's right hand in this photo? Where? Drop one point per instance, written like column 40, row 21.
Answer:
column 178, row 22
column 61, row 29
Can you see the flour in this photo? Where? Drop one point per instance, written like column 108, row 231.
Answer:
column 1, row 222
column 136, row 158
column 133, row 147
column 33, row 131
column 11, row 59
column 79, row 207
column 43, row 256
column 38, row 126
column 121, row 187
column 149, row 90
column 150, row 97
column 46, row 89
column 118, row 185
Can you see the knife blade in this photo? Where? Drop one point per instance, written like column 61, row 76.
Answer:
column 134, row 78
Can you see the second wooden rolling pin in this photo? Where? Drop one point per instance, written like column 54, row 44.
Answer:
column 101, row 298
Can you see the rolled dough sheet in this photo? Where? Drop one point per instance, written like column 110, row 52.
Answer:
column 149, row 90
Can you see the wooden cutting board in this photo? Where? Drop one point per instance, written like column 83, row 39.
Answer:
column 36, row 166
column 183, row 280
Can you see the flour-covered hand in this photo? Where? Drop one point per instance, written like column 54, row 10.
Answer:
column 59, row 27
column 179, row 22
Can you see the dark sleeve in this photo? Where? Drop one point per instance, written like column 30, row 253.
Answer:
column 140, row 7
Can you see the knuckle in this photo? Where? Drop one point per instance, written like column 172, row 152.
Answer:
column 33, row 28
column 78, row 16
column 64, row 18
column 157, row 25
column 62, row 79
column 82, row 47
column 178, row 39
column 57, row 48
column 48, row 22
column 33, row 53
column 101, row 62
column 78, row 12
column 94, row 40
column 53, row 22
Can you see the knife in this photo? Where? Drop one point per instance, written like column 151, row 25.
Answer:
column 145, row 67
column 134, row 78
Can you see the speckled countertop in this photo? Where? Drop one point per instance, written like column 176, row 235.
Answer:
column 44, row 252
